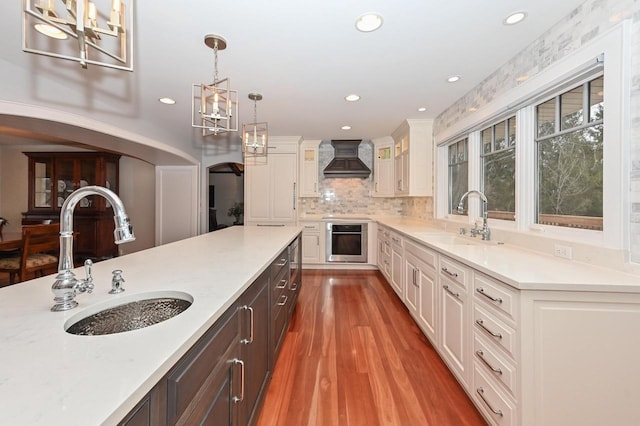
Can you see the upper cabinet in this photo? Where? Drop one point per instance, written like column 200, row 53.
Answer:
column 383, row 179
column 309, row 168
column 413, row 158
column 271, row 185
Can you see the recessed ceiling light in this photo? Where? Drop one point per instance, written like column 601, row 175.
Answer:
column 369, row 22
column 167, row 101
column 522, row 78
column 453, row 78
column 50, row 31
column 514, row 18
column 422, row 109
column 346, row 127
column 473, row 109
column 352, row 97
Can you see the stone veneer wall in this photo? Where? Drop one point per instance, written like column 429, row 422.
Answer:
column 587, row 21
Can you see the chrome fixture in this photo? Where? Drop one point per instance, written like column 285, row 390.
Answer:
column 67, row 285
column 51, row 26
column 256, row 135
column 485, row 231
column 116, row 282
column 215, row 106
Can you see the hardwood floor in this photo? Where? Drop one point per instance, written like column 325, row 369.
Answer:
column 354, row 356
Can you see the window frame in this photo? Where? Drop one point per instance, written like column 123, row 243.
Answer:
column 521, row 99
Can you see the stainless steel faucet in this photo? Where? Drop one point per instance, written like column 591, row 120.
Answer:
column 67, row 285
column 485, row 231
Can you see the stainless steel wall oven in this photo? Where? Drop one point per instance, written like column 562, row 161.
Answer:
column 347, row 242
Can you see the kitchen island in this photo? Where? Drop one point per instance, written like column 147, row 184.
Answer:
column 48, row 376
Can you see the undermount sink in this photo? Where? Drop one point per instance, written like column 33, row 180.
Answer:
column 139, row 311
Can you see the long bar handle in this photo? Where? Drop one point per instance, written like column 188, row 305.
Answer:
column 250, row 339
column 480, row 392
column 480, row 355
column 488, row 296
column 484, row 327
column 294, row 196
column 236, row 399
column 448, row 272
column 446, row 288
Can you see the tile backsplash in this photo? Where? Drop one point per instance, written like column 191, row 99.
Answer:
column 346, row 196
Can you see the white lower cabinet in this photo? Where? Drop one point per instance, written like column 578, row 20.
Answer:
column 312, row 242
column 421, row 290
column 455, row 326
column 397, row 264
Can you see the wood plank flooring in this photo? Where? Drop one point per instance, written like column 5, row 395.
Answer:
column 354, row 356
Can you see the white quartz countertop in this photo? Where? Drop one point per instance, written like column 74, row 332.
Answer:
column 518, row 267
column 50, row 377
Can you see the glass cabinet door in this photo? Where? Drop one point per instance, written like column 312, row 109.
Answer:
column 42, row 184
column 65, row 180
column 88, row 171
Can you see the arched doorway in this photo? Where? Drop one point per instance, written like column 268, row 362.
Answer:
column 226, row 191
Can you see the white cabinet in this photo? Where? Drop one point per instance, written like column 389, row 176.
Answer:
column 383, row 179
column 384, row 251
column 309, row 168
column 455, row 319
column 271, row 185
column 413, row 158
column 397, row 264
column 312, row 242
column 421, row 289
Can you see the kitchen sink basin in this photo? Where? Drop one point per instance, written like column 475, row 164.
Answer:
column 143, row 311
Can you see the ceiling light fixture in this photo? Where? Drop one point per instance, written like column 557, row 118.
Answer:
column 422, row 109
column 167, row 101
column 515, row 18
column 369, row 22
column 453, row 78
column 352, row 98
column 256, row 135
column 346, row 127
column 108, row 44
column 215, row 106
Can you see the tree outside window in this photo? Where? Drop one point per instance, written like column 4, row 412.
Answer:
column 458, row 172
column 499, row 168
column 570, row 158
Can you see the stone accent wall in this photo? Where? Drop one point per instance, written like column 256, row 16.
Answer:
column 592, row 18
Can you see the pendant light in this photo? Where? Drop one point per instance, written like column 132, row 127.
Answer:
column 255, row 135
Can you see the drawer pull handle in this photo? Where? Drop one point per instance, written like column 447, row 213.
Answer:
column 495, row 370
column 448, row 272
column 283, row 262
column 250, row 339
column 446, row 288
column 284, row 301
column 488, row 296
column 484, row 327
column 293, row 287
column 283, row 284
column 480, row 392
column 240, row 398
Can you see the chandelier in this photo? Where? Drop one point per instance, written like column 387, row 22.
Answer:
column 256, row 135
column 98, row 32
column 215, row 106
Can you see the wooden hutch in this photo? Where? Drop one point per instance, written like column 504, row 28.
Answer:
column 53, row 176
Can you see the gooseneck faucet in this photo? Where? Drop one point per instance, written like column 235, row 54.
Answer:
column 67, row 285
column 485, row 231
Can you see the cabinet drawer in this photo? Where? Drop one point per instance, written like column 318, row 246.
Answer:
column 310, row 226
column 395, row 240
column 427, row 256
column 498, row 296
column 493, row 363
column 278, row 265
column 453, row 271
column 491, row 401
column 495, row 330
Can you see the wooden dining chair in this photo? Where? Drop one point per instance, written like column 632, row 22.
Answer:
column 38, row 253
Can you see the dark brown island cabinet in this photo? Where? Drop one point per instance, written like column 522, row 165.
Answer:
column 53, row 176
column 223, row 378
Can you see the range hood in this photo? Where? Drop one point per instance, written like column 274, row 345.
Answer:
column 346, row 163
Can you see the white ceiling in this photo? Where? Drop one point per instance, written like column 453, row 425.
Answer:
column 302, row 56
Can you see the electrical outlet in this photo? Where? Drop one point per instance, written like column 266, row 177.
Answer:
column 562, row 251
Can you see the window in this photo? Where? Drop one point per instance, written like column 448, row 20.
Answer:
column 569, row 157
column 499, row 168
column 458, row 172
